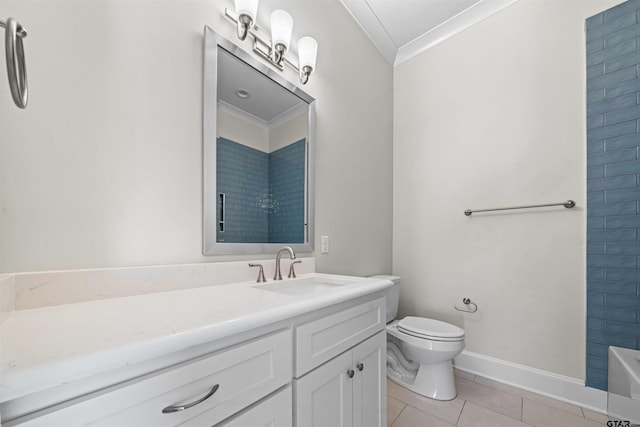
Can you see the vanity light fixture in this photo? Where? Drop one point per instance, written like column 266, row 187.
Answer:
column 246, row 11
column 274, row 50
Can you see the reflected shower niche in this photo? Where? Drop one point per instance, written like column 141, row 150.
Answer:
column 258, row 155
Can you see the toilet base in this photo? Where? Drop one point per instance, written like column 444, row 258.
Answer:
column 434, row 381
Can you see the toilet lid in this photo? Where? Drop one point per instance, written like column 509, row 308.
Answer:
column 429, row 328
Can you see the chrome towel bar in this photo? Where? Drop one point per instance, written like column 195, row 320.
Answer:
column 568, row 204
column 16, row 66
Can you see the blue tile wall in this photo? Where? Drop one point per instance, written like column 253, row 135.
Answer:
column 613, row 185
column 264, row 193
column 242, row 173
column 286, row 180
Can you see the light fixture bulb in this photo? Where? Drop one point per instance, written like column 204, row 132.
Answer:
column 246, row 11
column 281, row 29
column 307, row 55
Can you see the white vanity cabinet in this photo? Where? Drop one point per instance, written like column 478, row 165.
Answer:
column 196, row 393
column 349, row 389
column 324, row 367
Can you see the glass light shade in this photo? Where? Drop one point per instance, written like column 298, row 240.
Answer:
column 307, row 52
column 281, row 28
column 247, row 7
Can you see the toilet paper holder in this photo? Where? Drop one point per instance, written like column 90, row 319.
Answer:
column 467, row 309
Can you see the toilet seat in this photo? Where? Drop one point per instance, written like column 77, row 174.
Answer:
column 430, row 329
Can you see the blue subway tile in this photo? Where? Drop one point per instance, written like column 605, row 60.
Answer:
column 595, row 121
column 622, row 301
column 612, row 104
column 617, row 208
column 610, row 131
column 596, row 95
column 595, row 248
column 594, row 298
column 595, row 147
column 616, row 143
column 597, row 362
column 622, row 329
column 597, row 349
column 622, row 181
column 594, row 324
column 625, row 9
column 594, row 21
column 620, row 36
column 598, row 375
column 595, row 198
column 619, row 116
column 595, row 172
column 622, row 195
column 615, row 64
column 601, row 287
column 619, row 89
column 622, row 168
column 601, row 337
column 595, row 273
column 613, row 261
column 619, row 235
column 613, row 156
column 595, row 71
column 595, row 223
column 611, row 78
column 621, row 274
column 612, row 313
column 594, row 45
column 623, row 221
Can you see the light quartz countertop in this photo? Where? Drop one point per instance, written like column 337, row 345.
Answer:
column 50, row 346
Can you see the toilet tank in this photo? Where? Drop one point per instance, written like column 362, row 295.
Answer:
column 393, row 296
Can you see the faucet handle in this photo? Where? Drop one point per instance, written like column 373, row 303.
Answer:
column 261, row 278
column 292, row 272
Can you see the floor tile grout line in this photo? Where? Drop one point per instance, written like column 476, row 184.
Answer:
column 464, row 403
column 399, row 413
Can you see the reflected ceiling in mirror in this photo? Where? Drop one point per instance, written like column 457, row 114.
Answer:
column 258, row 155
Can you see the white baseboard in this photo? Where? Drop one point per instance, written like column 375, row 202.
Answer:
column 552, row 385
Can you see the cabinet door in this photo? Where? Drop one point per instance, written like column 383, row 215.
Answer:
column 324, row 397
column 370, row 382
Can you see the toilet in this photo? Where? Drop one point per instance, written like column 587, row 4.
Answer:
column 420, row 351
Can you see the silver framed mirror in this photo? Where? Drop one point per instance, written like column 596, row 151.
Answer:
column 258, row 155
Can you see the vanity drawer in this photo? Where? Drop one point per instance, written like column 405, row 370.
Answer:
column 325, row 338
column 275, row 411
column 244, row 374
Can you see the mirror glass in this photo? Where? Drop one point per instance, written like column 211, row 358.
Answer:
column 258, row 155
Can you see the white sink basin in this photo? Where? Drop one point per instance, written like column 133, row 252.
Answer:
column 307, row 285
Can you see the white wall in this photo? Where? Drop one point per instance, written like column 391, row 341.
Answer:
column 492, row 117
column 243, row 132
column 104, row 167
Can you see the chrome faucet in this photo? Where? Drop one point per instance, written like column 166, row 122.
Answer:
column 292, row 255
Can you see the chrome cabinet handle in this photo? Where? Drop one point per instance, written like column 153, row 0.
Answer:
column 360, row 366
column 350, row 373
column 178, row 408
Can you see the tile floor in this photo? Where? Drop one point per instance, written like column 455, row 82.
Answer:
column 485, row 403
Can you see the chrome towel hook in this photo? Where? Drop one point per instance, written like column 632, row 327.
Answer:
column 16, row 65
